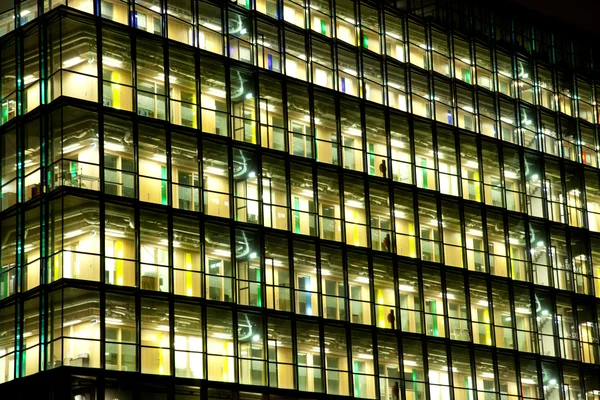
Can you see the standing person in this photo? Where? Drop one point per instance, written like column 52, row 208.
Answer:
column 383, row 169
column 392, row 319
column 386, row 242
column 395, row 391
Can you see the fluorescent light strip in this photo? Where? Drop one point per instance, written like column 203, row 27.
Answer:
column 71, row 62
column 112, row 62
column 113, row 146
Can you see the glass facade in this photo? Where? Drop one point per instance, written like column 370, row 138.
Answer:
column 295, row 199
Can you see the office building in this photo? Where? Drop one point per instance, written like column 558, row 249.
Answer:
column 297, row 199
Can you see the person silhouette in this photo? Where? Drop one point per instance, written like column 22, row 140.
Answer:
column 383, row 169
column 395, row 391
column 392, row 319
column 386, row 242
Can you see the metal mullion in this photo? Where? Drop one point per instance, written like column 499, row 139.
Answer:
column 467, row 284
column 131, row 14
column 194, row 26
column 529, row 259
column 167, row 127
column 338, row 127
column 437, row 200
column 341, row 199
column 137, row 240
column 138, row 328
column 290, row 253
column 102, row 293
column 283, row 74
column 535, row 329
column 395, row 278
column 101, row 165
column 319, row 281
column 595, row 316
column 421, row 290
column 446, row 315
column 340, row 172
column 431, row 86
column 375, row 354
column 473, row 49
column 360, row 60
column 449, row 367
column 390, row 189
column 490, row 299
column 371, row 277
column 204, row 329
column 538, row 367
column 513, row 328
column 163, row 17
column 349, row 357
column 523, row 179
column 225, row 36
column 383, row 56
column 284, row 107
column 60, row 252
column 43, row 315
column 202, row 237
column 416, row 221
column 170, row 256
column 429, row 47
column 292, row 317
column 41, row 271
column 366, row 191
column 265, row 342
column 135, row 120
column 411, row 136
column 44, row 220
column 408, row 91
column 452, row 57
column 544, row 194
column 312, row 124
column 258, row 145
column 486, row 249
column 345, row 272
column 171, row 323
column 323, row 365
column 230, row 225
column 500, row 148
column 463, row 231
column 263, row 276
column 229, row 144
column 334, row 46
column 433, row 126
column 59, row 69
column 42, row 56
column 581, row 373
column 227, row 70
column 495, row 89
column 400, row 346
column 573, row 301
column 198, row 105
column 425, row 359
column 538, row 115
column 19, row 136
column 19, row 340
column 556, row 118
column 560, row 376
column 472, row 361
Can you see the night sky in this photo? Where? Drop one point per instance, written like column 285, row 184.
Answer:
column 583, row 13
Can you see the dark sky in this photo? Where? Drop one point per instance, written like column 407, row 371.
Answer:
column 583, row 13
